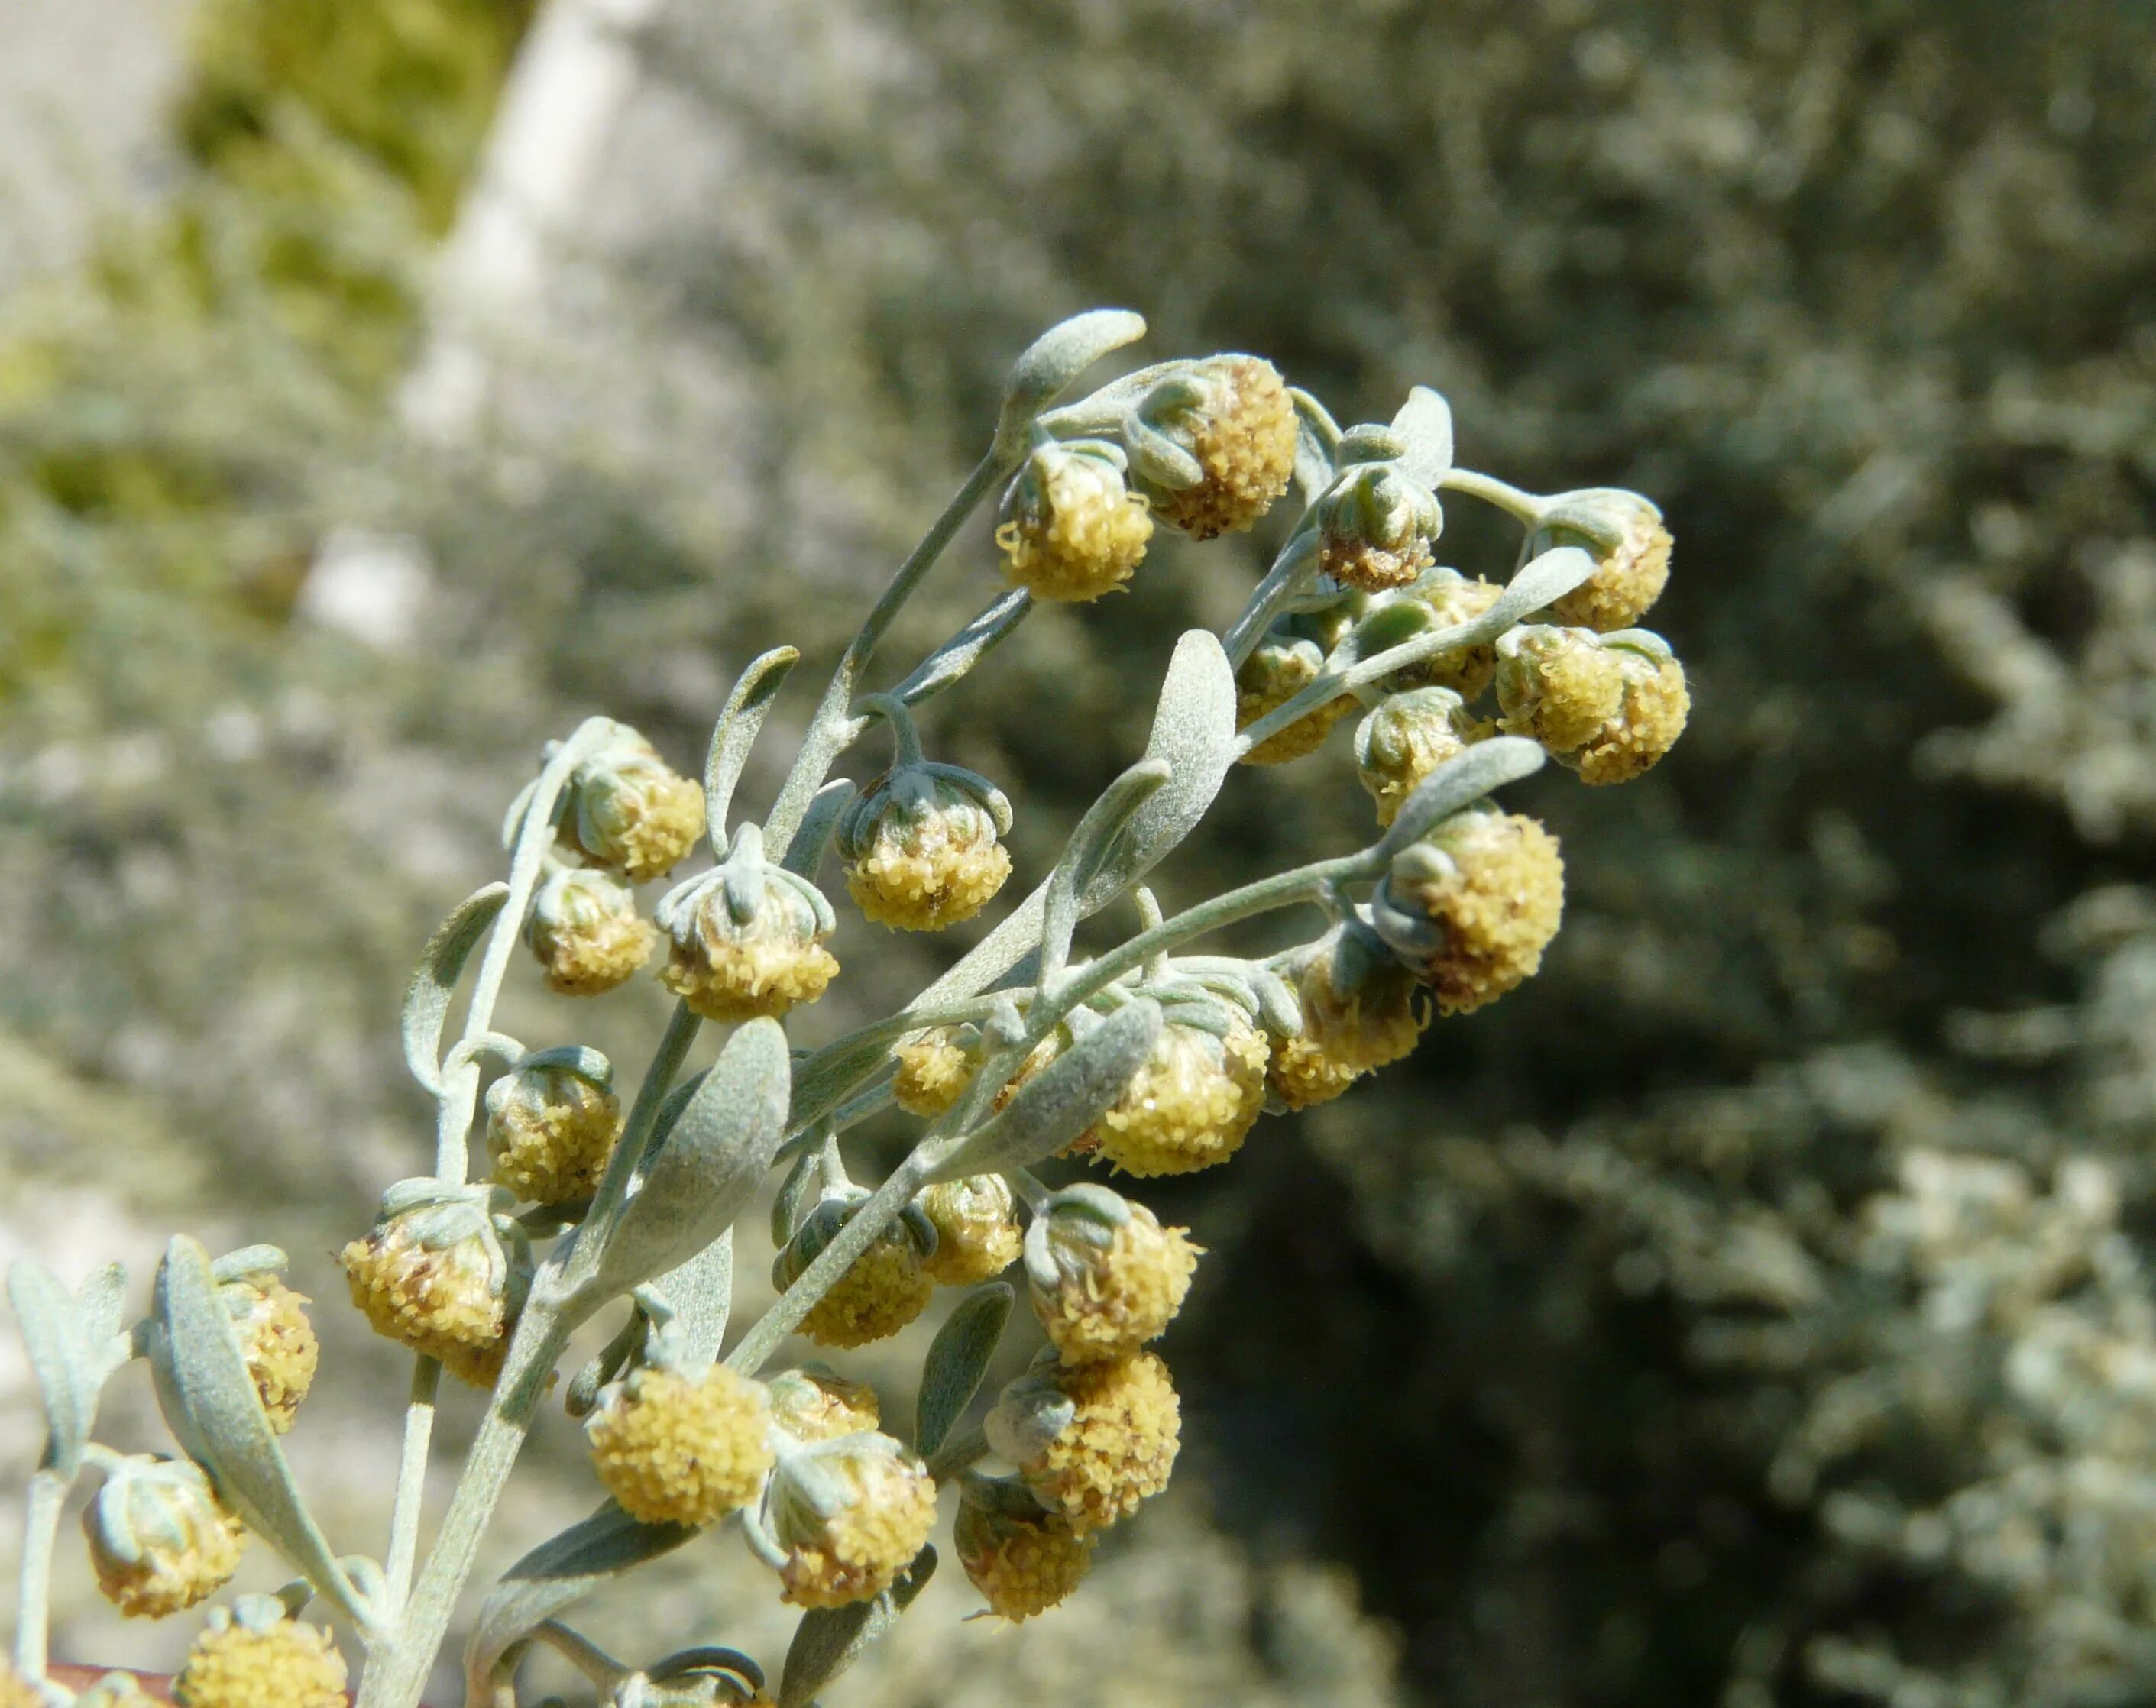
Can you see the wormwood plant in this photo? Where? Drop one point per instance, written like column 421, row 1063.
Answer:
column 1149, row 1058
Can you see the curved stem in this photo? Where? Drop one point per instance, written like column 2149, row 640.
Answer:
column 1514, row 501
column 41, row 1518
column 905, row 738
column 1292, row 571
column 411, row 1481
column 832, row 726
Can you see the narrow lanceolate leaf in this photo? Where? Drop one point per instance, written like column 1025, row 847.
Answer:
column 736, row 732
column 1425, row 422
column 555, row 1575
column 704, row 1174
column 1195, row 731
column 951, row 660
column 211, row 1407
column 52, row 1335
column 1317, row 436
column 701, row 1292
column 957, row 1360
column 830, row 1639
column 805, row 851
column 1543, row 579
column 1456, row 783
column 427, row 999
column 1095, row 847
column 1051, row 363
column 1062, row 1100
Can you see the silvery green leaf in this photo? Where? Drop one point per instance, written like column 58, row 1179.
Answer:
column 957, row 1360
column 699, row 1179
column 249, row 1260
column 966, row 649
column 1424, row 424
column 828, row 1075
column 1456, row 783
column 426, row 998
column 1092, row 849
column 100, row 1305
column 1050, row 363
column 1062, row 1100
column 701, row 1292
column 212, row 1409
column 830, row 1639
column 805, row 851
column 51, row 1327
column 1194, row 730
column 795, row 1191
column 556, row 1574
column 1316, row 434
column 1540, row 580
column 736, row 732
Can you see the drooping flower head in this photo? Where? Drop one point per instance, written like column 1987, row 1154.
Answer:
column 275, row 1338
column 586, row 932
column 1070, row 526
column 443, row 1271
column 1093, row 1441
column 1359, row 1009
column 1197, row 1094
column 1376, row 522
column 1404, row 739
column 747, row 937
column 1607, row 706
column 1280, row 667
column 1623, row 533
column 977, row 1232
column 883, row 1290
column 160, row 1539
column 1022, row 1557
column 256, row 1656
column 674, row 1447
column 1469, row 908
column 1211, row 443
column 921, row 845
column 849, row 1513
column 1105, row 1276
column 625, row 809
column 1439, row 599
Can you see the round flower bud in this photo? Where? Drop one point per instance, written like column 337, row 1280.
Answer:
column 1625, row 534
column 586, row 931
column 1196, row 1096
column 977, row 1233
column 1608, row 705
column 1360, row 1010
column 747, row 937
column 1399, row 745
column 920, row 846
column 811, row 1403
column 1105, row 1277
column 674, row 1449
column 849, row 1515
column 159, row 1537
column 1023, row 1558
column 934, row 1068
column 1438, row 599
column 627, row 810
column 1280, row 667
column 1229, row 420
column 882, row 1291
column 256, row 1657
column 435, row 1274
column 552, row 1123
column 1470, row 909
column 275, row 1338
column 1091, row 1440
column 1376, row 522
column 1071, row 529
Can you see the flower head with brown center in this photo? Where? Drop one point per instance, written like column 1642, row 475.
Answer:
column 1376, row 522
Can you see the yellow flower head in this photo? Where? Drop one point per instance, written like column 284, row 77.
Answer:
column 1376, row 522
column 884, row 1289
column 159, row 1537
column 276, row 1339
column 747, row 937
column 254, row 1657
column 1399, row 745
column 849, row 1515
column 1281, row 667
column 1361, row 1011
column 922, row 846
column 1608, row 705
column 552, row 1123
column 16, row 1691
column 1232, row 418
column 934, row 1068
column 435, row 1274
column 626, row 810
column 1105, row 1276
column 1023, row 1558
column 1439, row 598
column 977, row 1232
column 674, row 1449
column 1093, row 1441
column 1195, row 1097
column 1069, row 527
column 1471, row 908
column 586, row 932
column 811, row 1403
column 1625, row 535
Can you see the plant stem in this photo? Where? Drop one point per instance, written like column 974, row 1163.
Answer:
column 1523, row 505
column 397, row 1672
column 411, row 1481
column 681, row 1028
column 1292, row 571
column 1332, row 684
column 41, row 1519
column 954, row 1455
column 830, row 730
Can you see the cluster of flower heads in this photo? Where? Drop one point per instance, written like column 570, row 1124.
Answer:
column 837, row 1507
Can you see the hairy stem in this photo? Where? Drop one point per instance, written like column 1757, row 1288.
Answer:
column 1523, row 505
column 41, row 1519
column 834, row 724
column 1292, row 571
column 411, row 1481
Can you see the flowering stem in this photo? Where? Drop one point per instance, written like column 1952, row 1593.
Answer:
column 1334, row 682
column 1515, row 502
column 832, row 726
column 682, row 1030
column 41, row 1519
column 411, row 1480
column 1292, row 571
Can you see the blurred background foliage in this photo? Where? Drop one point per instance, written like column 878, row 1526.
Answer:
column 1752, row 1309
